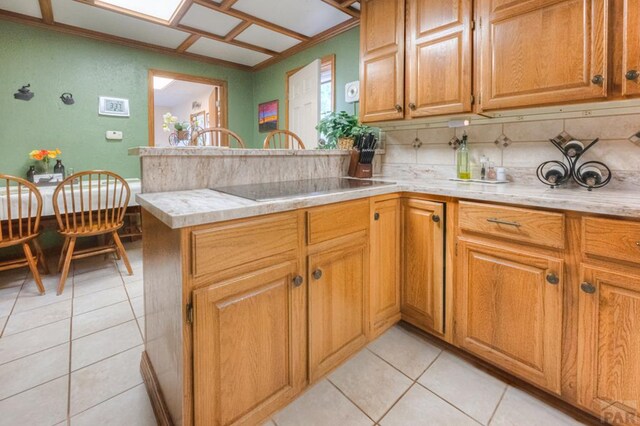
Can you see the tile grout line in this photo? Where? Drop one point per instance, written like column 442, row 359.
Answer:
column 350, row 400
column 33, row 387
column 15, row 301
column 448, row 403
column 108, row 399
column 504, row 392
column 73, row 288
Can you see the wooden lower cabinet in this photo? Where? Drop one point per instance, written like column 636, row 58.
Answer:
column 249, row 346
column 511, row 310
column 385, row 265
column 423, row 264
column 337, row 311
column 609, row 344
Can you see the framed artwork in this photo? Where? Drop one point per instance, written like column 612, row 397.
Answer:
column 113, row 106
column 268, row 116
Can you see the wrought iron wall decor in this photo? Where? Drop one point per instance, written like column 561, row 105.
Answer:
column 23, row 93
column 67, row 98
column 590, row 174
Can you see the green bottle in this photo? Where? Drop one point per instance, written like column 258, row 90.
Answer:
column 463, row 166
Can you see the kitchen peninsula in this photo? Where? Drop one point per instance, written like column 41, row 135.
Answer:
column 248, row 302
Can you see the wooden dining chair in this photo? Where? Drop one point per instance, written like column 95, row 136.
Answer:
column 90, row 204
column 20, row 213
column 283, row 139
column 216, row 136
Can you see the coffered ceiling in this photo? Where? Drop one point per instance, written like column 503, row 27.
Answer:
column 246, row 34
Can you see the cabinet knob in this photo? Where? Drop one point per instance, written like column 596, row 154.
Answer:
column 435, row 218
column 632, row 75
column 597, row 79
column 376, row 216
column 412, row 106
column 588, row 287
column 553, row 278
column 317, row 274
column 398, row 107
column 298, row 280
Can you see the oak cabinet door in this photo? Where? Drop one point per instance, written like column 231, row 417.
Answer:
column 438, row 57
column 336, row 306
column 609, row 344
column 631, row 48
column 248, row 346
column 381, row 60
column 385, row 265
column 511, row 310
column 422, row 264
column 536, row 52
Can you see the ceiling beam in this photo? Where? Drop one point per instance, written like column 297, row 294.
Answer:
column 47, row 11
column 253, row 20
column 237, row 30
column 347, row 3
column 187, row 43
column 226, row 4
column 216, row 37
column 348, row 10
column 180, row 12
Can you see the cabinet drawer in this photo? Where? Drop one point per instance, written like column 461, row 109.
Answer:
column 336, row 220
column 531, row 226
column 613, row 239
column 230, row 245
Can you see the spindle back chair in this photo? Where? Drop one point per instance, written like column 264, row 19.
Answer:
column 283, row 139
column 216, row 136
column 20, row 212
column 87, row 204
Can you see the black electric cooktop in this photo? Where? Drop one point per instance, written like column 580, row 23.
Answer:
column 290, row 189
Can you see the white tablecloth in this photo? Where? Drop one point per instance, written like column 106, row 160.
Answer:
column 47, row 199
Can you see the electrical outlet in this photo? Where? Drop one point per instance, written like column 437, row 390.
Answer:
column 113, row 135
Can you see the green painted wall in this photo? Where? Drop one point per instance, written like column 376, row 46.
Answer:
column 55, row 63
column 269, row 84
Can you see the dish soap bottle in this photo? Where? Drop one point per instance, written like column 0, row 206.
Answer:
column 463, row 166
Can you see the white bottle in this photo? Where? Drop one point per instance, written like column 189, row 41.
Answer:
column 501, row 174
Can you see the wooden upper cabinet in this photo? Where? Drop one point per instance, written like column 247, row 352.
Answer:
column 609, row 345
column 381, row 60
column 631, row 48
column 248, row 346
column 422, row 264
column 438, row 57
column 536, row 52
column 510, row 310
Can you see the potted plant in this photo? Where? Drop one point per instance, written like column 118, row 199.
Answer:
column 181, row 127
column 340, row 130
column 44, row 157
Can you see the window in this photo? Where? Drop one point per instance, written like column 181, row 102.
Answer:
column 327, row 84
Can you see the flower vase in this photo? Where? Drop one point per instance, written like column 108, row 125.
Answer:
column 44, row 168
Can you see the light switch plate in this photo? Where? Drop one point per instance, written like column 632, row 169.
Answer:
column 114, row 135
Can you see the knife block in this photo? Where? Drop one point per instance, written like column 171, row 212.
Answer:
column 357, row 169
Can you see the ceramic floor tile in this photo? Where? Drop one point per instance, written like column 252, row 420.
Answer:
column 98, row 300
column 100, row 319
column 100, row 381
column 43, row 405
column 522, row 409
column 134, row 288
column 372, row 384
column 28, row 342
column 103, row 344
column 94, row 263
column 141, row 325
column 321, row 405
column 97, row 284
column 29, row 298
column 418, row 404
column 138, row 306
column 8, row 298
column 12, row 278
column 129, row 408
column 406, row 351
column 463, row 385
column 3, row 321
column 38, row 317
column 33, row 370
column 108, row 270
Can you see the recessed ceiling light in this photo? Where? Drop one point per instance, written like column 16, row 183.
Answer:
column 160, row 83
column 161, row 9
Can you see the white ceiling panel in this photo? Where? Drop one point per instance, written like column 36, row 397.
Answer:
column 260, row 36
column 228, row 52
column 104, row 21
column 162, row 9
column 205, row 19
column 308, row 17
column 356, row 5
column 24, row 7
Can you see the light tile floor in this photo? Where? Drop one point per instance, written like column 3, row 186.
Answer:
column 74, row 359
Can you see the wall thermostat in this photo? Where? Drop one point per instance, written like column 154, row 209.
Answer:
column 113, row 135
column 352, row 91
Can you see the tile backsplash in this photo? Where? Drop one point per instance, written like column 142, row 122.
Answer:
column 425, row 152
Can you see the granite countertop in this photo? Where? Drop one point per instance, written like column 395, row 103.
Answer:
column 196, row 207
column 211, row 151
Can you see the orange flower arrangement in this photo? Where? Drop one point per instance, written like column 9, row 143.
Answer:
column 44, row 155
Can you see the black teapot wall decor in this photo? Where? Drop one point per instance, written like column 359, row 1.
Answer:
column 67, row 98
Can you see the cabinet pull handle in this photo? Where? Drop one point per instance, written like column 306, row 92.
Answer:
column 597, row 79
column 298, row 280
column 632, row 75
column 435, row 218
column 398, row 107
column 552, row 278
column 588, row 288
column 412, row 106
column 317, row 274
column 503, row 222
column 376, row 216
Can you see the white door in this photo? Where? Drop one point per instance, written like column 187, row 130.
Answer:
column 304, row 103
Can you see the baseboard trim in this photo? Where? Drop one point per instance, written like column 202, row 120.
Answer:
column 160, row 410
